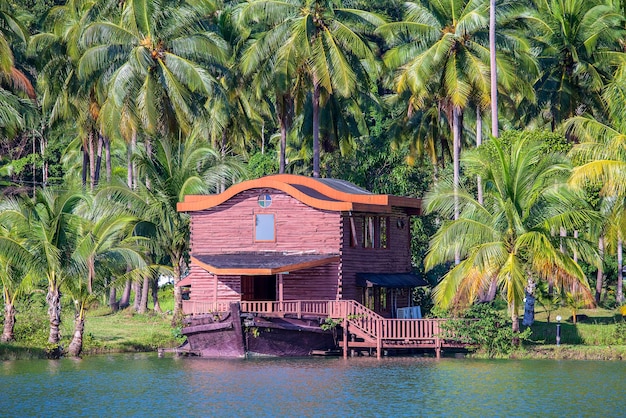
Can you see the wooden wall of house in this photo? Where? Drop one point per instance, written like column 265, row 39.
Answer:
column 230, row 227
column 318, row 283
column 396, row 258
column 206, row 287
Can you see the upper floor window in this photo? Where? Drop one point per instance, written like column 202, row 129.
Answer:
column 264, row 227
column 373, row 232
column 265, row 200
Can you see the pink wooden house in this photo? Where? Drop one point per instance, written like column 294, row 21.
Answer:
column 287, row 237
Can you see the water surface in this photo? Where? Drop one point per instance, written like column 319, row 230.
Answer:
column 145, row 385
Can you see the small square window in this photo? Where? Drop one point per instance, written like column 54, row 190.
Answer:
column 264, row 227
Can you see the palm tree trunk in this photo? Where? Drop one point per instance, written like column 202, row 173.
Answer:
column 456, row 156
column 137, row 301
column 620, row 274
column 155, row 295
column 316, row 128
column 96, row 177
column 92, row 160
column 85, row 165
column 493, row 68
column 113, row 304
column 479, row 141
column 600, row 275
column 125, row 299
column 91, row 273
column 9, row 323
column 53, row 298
column 76, row 346
column 515, row 323
column 145, row 291
column 178, row 294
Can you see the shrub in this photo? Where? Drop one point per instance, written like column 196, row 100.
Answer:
column 485, row 329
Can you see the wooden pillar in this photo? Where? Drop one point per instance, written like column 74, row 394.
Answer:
column 437, row 339
column 280, row 291
column 345, row 334
column 379, row 338
column 215, row 289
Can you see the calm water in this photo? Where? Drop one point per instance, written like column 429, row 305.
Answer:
column 144, row 385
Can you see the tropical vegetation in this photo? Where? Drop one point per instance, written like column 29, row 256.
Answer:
column 171, row 97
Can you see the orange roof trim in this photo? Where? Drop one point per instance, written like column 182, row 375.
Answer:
column 326, row 194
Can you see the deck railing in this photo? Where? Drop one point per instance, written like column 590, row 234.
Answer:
column 360, row 320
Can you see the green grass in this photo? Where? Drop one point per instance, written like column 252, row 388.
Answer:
column 105, row 331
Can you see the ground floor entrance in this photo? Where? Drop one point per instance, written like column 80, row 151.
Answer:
column 258, row 287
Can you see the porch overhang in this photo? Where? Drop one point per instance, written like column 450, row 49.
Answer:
column 390, row 280
column 261, row 263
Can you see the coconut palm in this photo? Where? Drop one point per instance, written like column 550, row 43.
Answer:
column 510, row 237
column 173, row 171
column 577, row 39
column 64, row 95
column 441, row 56
column 310, row 45
column 14, row 262
column 15, row 88
column 50, row 232
column 160, row 57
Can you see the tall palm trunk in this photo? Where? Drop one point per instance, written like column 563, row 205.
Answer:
column 479, row 141
column 145, row 291
column 620, row 273
column 96, row 175
column 316, row 128
column 283, row 111
column 600, row 275
column 91, row 273
column 137, row 301
column 493, row 68
column 9, row 322
column 178, row 294
column 53, row 298
column 76, row 346
column 125, row 299
column 155, row 295
column 456, row 157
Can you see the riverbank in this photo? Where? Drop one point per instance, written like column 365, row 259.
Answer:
column 105, row 332
column 598, row 335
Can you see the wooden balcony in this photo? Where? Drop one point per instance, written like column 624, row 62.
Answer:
column 362, row 327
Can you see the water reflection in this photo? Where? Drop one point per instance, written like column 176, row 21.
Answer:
column 144, row 385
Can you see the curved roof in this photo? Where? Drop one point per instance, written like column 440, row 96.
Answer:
column 328, row 194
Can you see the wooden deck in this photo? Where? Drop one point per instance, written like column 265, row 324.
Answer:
column 365, row 328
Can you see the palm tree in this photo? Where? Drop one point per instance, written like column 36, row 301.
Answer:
column 440, row 55
column 174, row 170
column 510, row 237
column 65, row 95
column 50, row 230
column 157, row 57
column 577, row 38
column 309, row 45
column 14, row 259
column 15, row 87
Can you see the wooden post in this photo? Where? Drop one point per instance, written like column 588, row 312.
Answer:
column 345, row 334
column 437, row 339
column 280, row 292
column 379, row 337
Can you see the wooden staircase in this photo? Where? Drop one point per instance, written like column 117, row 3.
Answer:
column 364, row 328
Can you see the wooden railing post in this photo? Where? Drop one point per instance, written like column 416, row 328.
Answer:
column 345, row 334
column 379, row 337
column 437, row 339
